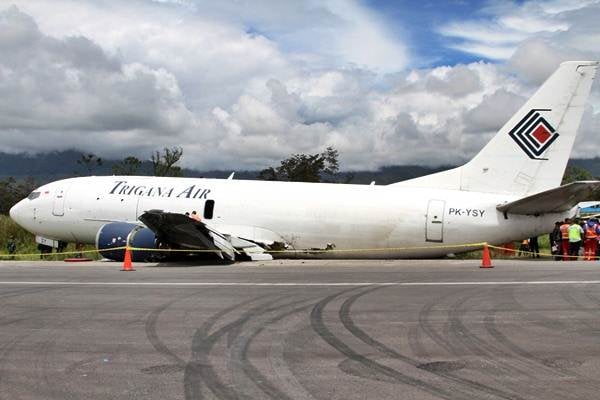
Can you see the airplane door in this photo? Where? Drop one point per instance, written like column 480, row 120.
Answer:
column 434, row 229
column 58, row 205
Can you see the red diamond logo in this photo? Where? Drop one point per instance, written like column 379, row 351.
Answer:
column 534, row 134
column 541, row 134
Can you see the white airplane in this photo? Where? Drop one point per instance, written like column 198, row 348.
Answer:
column 509, row 191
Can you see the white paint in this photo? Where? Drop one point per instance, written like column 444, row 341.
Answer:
column 303, row 284
column 357, row 221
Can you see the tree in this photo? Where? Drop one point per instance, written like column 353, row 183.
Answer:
column 268, row 174
column 89, row 162
column 164, row 164
column 574, row 173
column 129, row 166
column 321, row 167
column 11, row 192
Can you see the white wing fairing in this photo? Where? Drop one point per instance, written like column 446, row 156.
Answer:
column 507, row 192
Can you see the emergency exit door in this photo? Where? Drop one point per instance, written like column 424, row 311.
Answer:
column 434, row 229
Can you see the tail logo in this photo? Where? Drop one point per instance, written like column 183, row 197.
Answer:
column 534, row 134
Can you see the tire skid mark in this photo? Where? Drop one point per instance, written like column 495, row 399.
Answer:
column 570, row 298
column 477, row 346
column 460, row 338
column 430, row 331
column 242, row 344
column 152, row 334
column 593, row 298
column 319, row 326
column 492, row 328
column 199, row 369
column 553, row 325
column 348, row 322
column 464, row 340
column 491, row 351
column 280, row 367
column 415, row 342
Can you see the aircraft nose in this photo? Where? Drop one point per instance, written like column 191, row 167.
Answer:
column 16, row 213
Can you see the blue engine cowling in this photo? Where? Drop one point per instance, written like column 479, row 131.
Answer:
column 119, row 234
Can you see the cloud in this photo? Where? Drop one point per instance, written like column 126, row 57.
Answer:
column 242, row 85
column 526, row 59
column 502, row 27
column 72, row 85
column 454, row 82
column 493, row 111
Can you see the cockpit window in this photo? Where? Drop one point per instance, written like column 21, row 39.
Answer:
column 33, row 195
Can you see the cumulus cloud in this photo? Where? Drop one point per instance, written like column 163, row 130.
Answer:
column 245, row 84
column 50, row 87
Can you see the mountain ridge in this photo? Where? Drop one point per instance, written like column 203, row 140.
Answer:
column 50, row 166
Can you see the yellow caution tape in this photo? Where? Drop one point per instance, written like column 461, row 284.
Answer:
column 540, row 254
column 54, row 254
column 295, row 251
column 305, row 251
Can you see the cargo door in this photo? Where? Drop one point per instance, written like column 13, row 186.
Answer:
column 434, row 229
column 58, row 205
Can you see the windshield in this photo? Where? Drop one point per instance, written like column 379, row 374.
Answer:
column 33, row 195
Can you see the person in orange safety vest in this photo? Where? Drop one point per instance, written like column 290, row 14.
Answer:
column 564, row 233
column 590, row 242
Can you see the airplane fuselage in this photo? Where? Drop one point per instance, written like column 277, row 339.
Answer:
column 354, row 221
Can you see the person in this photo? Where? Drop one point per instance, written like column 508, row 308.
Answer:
column 11, row 246
column 79, row 249
column 195, row 216
column 61, row 246
column 534, row 247
column 523, row 248
column 564, row 232
column 597, row 238
column 590, row 243
column 555, row 241
column 575, row 235
column 44, row 250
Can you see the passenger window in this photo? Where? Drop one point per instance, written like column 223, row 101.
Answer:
column 209, row 208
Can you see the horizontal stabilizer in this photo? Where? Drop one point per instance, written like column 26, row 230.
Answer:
column 555, row 200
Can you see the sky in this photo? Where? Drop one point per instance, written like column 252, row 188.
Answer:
column 243, row 84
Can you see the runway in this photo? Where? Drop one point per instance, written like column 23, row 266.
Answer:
column 427, row 329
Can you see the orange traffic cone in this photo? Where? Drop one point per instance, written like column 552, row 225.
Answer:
column 127, row 261
column 486, row 260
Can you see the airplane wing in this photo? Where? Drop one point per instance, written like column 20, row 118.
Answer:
column 187, row 233
column 559, row 199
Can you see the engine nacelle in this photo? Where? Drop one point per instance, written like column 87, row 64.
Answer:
column 113, row 235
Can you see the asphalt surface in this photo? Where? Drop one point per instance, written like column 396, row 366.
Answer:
column 437, row 329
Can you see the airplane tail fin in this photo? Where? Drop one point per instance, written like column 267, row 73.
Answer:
column 530, row 152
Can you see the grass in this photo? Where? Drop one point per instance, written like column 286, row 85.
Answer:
column 26, row 243
column 543, row 242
